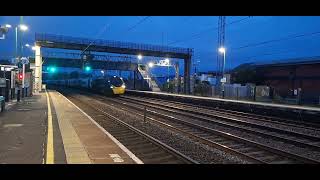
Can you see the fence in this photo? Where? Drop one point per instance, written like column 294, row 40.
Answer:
column 239, row 92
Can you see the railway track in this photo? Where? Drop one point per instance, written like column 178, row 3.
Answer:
column 298, row 139
column 147, row 148
column 244, row 148
column 232, row 113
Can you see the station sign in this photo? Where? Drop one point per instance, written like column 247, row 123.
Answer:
column 164, row 63
column 223, row 80
column 24, row 60
column 13, row 79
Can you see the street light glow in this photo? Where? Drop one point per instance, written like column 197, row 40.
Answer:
column 27, row 45
column 33, row 48
column 151, row 64
column 8, row 26
column 139, row 56
column 87, row 68
column 23, row 27
column 51, row 69
column 222, row 50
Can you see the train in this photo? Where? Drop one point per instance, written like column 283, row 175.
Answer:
column 110, row 85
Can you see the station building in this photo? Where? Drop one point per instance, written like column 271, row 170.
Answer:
column 290, row 78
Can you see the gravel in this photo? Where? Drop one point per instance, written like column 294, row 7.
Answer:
column 197, row 151
column 269, row 142
column 312, row 132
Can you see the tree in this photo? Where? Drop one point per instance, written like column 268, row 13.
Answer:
column 202, row 88
column 246, row 74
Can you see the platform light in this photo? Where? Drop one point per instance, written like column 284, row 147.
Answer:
column 222, row 50
column 151, row 64
column 139, row 56
column 167, row 61
column 8, row 26
column 27, row 45
column 33, row 48
column 23, row 27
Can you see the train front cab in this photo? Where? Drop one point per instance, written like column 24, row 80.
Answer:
column 118, row 90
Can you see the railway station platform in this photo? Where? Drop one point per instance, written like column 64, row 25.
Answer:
column 47, row 128
column 294, row 112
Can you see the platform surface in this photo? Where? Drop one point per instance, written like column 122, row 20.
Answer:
column 47, row 128
column 84, row 141
column 23, row 131
column 265, row 104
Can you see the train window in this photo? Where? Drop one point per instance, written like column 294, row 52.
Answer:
column 116, row 81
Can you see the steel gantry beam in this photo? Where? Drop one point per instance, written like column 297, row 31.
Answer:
column 95, row 64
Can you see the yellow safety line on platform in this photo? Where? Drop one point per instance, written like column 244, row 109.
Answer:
column 50, row 151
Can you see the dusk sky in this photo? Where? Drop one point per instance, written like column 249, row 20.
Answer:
column 198, row 32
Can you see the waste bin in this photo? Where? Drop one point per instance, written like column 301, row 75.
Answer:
column 2, row 103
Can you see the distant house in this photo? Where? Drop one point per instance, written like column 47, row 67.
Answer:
column 5, row 62
column 287, row 77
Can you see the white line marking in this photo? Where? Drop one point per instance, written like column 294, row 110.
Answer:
column 12, row 125
column 116, row 158
column 127, row 151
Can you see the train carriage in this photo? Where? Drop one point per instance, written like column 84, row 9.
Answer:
column 111, row 85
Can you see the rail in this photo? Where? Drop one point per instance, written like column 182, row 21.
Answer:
column 297, row 113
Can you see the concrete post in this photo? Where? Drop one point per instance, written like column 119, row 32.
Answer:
column 38, row 69
column 23, row 76
column 134, row 79
column 177, row 82
column 18, row 95
column 186, row 80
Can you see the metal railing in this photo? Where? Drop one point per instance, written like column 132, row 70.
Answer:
column 98, row 57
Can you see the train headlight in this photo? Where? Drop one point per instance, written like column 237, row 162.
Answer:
column 123, row 86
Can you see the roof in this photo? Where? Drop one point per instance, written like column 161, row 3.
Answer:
column 5, row 62
column 292, row 61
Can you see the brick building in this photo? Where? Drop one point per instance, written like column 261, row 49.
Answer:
column 287, row 76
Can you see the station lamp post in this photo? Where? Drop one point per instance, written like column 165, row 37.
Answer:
column 167, row 61
column 223, row 51
column 22, row 28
